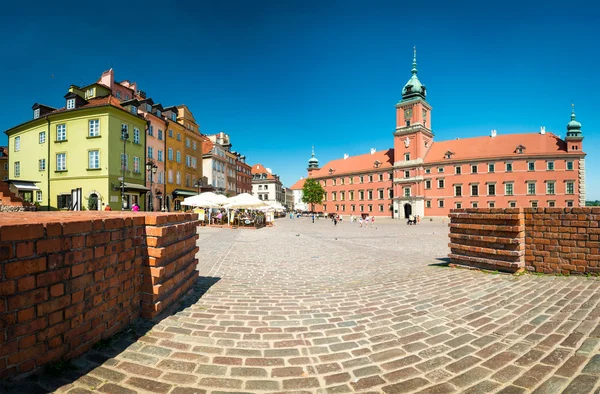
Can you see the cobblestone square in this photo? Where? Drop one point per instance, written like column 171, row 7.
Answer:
column 303, row 307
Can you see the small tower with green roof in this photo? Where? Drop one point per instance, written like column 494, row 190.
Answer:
column 313, row 162
column 574, row 137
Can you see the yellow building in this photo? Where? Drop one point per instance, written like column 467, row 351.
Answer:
column 175, row 164
column 193, row 148
column 72, row 157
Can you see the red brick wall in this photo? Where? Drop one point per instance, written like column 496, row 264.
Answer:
column 562, row 241
column 488, row 238
column 70, row 279
column 550, row 240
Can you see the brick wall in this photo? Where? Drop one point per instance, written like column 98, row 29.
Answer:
column 70, row 279
column 488, row 238
column 562, row 241
column 548, row 240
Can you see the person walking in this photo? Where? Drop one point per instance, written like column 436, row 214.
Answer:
column 313, row 217
column 372, row 221
column 335, row 220
column 360, row 221
column 135, row 207
column 366, row 222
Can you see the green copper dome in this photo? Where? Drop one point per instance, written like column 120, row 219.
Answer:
column 414, row 87
column 313, row 162
column 573, row 127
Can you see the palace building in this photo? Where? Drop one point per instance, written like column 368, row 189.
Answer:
column 420, row 176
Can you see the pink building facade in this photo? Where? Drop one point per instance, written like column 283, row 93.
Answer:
column 423, row 177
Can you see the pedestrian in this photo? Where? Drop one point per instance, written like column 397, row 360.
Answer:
column 313, row 217
column 108, row 208
column 360, row 221
column 366, row 222
column 372, row 221
column 135, row 207
column 340, row 217
column 335, row 220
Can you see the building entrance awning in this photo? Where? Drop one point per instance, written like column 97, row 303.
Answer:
column 183, row 192
column 24, row 185
column 134, row 187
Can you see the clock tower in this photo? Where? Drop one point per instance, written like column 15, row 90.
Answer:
column 412, row 139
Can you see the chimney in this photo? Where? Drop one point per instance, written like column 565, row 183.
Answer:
column 543, row 130
column 269, row 171
column 494, row 133
column 373, row 150
column 346, row 156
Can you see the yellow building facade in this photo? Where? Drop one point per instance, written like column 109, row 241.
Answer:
column 81, row 147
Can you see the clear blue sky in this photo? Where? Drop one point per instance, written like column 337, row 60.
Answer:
column 280, row 76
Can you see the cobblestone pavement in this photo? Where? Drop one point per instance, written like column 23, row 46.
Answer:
column 305, row 307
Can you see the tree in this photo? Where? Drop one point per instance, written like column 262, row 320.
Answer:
column 592, row 203
column 312, row 192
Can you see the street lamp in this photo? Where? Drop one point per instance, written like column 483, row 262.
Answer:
column 199, row 185
column 151, row 169
column 125, row 137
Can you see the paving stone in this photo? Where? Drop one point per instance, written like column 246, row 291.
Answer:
column 221, row 383
column 287, row 372
column 107, row 374
column 485, row 387
column 553, row 385
column 149, row 385
column 406, row 386
column 571, row 366
column 581, row 384
column 179, row 378
column 593, row 366
column 111, row 388
column 187, row 390
column 507, row 373
column 533, row 376
column 262, row 385
column 471, row 376
column 442, row 388
column 303, row 383
column 211, row 370
column 337, row 378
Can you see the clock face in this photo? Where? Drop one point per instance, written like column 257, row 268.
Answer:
column 407, row 113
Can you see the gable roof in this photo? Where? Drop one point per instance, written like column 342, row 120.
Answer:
column 361, row 163
column 298, row 185
column 499, row 146
column 207, row 145
column 260, row 169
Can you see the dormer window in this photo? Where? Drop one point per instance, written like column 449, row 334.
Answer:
column 448, row 155
column 174, row 117
column 377, row 164
column 134, row 109
column 158, row 113
column 36, row 113
column 71, row 103
column 126, row 97
column 520, row 149
column 89, row 93
column 118, row 94
column 148, row 108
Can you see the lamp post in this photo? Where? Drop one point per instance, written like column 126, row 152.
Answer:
column 124, row 137
column 199, row 185
column 151, row 169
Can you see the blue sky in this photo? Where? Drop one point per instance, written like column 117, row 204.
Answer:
column 280, row 76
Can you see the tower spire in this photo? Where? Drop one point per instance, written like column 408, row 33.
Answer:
column 572, row 111
column 414, row 70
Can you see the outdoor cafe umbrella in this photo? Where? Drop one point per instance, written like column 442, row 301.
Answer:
column 205, row 200
column 243, row 201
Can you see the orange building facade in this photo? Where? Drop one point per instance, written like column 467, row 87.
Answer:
column 420, row 176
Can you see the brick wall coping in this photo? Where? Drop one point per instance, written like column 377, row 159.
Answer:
column 589, row 210
column 53, row 221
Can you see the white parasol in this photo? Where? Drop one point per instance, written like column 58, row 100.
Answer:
column 243, row 201
column 205, row 200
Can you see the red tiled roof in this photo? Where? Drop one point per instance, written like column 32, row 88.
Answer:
column 260, row 169
column 359, row 163
column 298, row 185
column 501, row 145
column 207, row 144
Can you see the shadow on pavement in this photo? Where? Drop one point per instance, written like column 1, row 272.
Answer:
column 443, row 262
column 61, row 374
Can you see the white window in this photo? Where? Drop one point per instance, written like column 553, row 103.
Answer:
column 158, row 113
column 491, row 204
column 151, row 130
column 407, row 156
column 550, row 188
column 160, row 155
column 17, row 169
column 473, row 168
column 94, row 128
column 534, row 204
column 458, row 170
column 38, row 196
column 94, row 159
column 474, row 190
column 136, row 165
column 178, row 157
column 148, row 108
column 124, row 131
column 531, row 188
column 512, row 204
column 42, row 164
column 178, row 178
column 440, row 203
column 550, row 165
column 407, row 192
column 440, row 183
column 570, row 203
column 428, row 184
column 407, row 174
column 474, row 204
column 36, row 113
column 124, row 161
column 187, row 143
column 428, row 204
column 61, row 162
column 160, row 134
column 150, row 152
column 174, row 117
column 569, row 166
column 509, row 189
column 17, row 144
column 531, row 165
column 194, row 145
column 509, row 167
column 188, row 161
column 136, row 135
column 440, row 169
column 70, row 103
column 551, row 204
column 457, row 190
column 118, row 94
column 61, row 132
column 170, row 155
column 170, row 176
column 134, row 109
column 491, row 189
column 42, row 137
column 491, row 167
column 570, row 188
column 126, row 97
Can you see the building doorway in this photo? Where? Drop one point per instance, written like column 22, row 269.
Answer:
column 93, row 202
column 407, row 210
